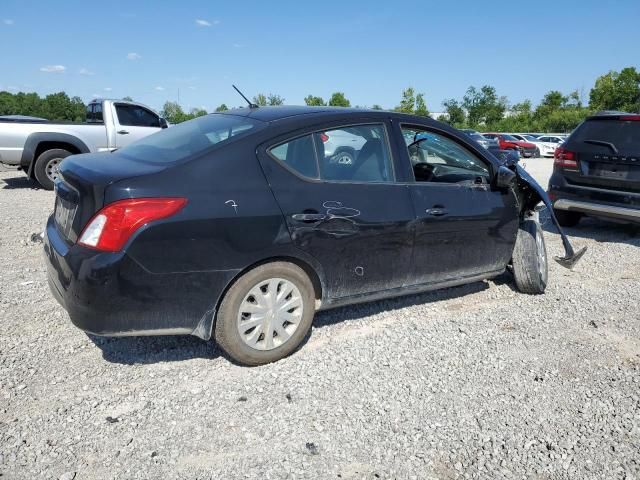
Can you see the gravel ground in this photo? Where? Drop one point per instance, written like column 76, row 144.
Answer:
column 471, row 382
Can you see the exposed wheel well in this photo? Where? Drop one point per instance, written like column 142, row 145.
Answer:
column 308, row 269
column 44, row 146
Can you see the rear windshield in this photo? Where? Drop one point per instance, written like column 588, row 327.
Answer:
column 189, row 138
column 625, row 135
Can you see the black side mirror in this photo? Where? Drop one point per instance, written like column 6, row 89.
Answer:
column 163, row 123
column 505, row 177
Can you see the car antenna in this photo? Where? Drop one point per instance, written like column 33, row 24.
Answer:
column 251, row 105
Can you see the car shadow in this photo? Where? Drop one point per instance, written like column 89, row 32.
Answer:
column 596, row 229
column 164, row 349
column 22, row 181
column 154, row 349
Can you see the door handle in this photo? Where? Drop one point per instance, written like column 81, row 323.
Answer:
column 123, row 132
column 309, row 217
column 436, row 211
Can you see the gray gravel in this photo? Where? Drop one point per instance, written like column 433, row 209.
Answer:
column 471, row 382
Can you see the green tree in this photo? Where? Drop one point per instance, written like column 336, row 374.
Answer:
column 173, row 113
column 408, row 102
column 197, row 112
column 455, row 112
column 260, row 100
column 421, row 106
column 617, row 91
column 339, row 100
column 275, row 100
column 312, row 101
column 375, row 106
column 222, row 108
column 483, row 106
column 127, row 99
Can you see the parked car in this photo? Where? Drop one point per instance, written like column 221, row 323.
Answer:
column 545, row 149
column 341, row 146
column 507, row 142
column 597, row 170
column 487, row 143
column 240, row 225
column 38, row 146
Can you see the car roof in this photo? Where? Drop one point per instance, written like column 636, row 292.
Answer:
column 269, row 114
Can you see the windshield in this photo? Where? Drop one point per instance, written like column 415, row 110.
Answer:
column 189, row 138
column 509, row 138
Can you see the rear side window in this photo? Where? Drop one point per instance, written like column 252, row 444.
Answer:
column 190, row 138
column 623, row 134
column 136, row 116
column 358, row 153
column 94, row 113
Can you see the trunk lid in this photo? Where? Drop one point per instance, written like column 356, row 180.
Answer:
column 608, row 153
column 80, row 188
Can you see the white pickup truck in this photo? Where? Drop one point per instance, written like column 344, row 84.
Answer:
column 38, row 146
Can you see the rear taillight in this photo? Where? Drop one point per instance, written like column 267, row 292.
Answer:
column 630, row 118
column 565, row 158
column 111, row 228
column 324, row 137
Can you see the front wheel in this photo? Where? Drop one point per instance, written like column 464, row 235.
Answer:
column 266, row 314
column 530, row 270
column 46, row 169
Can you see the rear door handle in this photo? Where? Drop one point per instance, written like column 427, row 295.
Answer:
column 309, row 217
column 436, row 211
column 123, row 132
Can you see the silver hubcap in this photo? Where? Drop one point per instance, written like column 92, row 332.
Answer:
column 53, row 168
column 270, row 313
column 344, row 159
column 542, row 258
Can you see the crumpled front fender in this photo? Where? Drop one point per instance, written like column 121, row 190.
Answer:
column 532, row 194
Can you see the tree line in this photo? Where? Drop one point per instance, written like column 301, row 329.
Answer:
column 479, row 108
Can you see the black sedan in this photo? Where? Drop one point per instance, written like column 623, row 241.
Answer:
column 239, row 226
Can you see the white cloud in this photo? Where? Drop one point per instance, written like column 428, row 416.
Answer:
column 159, row 88
column 12, row 88
column 191, row 87
column 96, row 95
column 108, row 89
column 53, row 68
column 202, row 23
column 237, row 45
column 7, row 21
column 85, row 71
column 133, row 56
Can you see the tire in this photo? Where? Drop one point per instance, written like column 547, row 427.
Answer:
column 344, row 157
column 567, row 218
column 243, row 344
column 46, row 167
column 530, row 268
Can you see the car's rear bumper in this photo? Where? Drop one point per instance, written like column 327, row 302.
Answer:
column 111, row 294
column 594, row 201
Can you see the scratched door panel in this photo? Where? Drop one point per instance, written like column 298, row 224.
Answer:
column 361, row 234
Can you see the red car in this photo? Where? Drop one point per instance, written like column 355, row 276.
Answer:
column 507, row 142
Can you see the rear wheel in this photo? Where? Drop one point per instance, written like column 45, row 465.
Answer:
column 46, row 169
column 530, row 269
column 567, row 218
column 266, row 314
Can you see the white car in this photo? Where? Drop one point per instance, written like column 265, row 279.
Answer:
column 552, row 142
column 547, row 148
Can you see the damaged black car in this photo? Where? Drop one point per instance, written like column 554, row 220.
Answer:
column 241, row 225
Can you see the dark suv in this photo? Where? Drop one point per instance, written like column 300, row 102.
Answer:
column 597, row 170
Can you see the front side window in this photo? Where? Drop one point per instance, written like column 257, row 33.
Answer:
column 136, row 116
column 358, row 153
column 190, row 138
column 436, row 158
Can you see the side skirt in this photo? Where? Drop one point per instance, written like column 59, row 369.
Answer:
column 406, row 290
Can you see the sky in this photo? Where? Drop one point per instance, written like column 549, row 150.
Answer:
column 192, row 51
